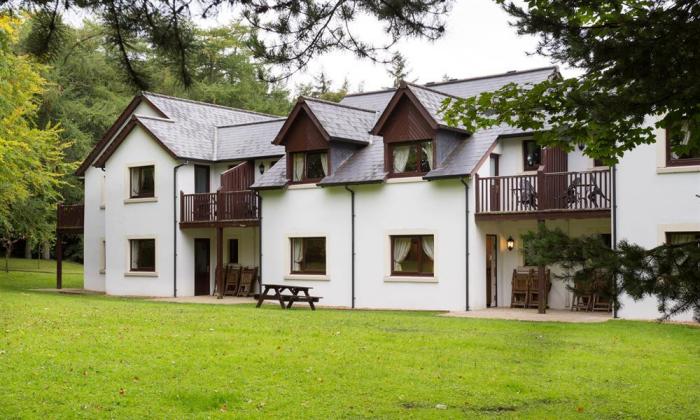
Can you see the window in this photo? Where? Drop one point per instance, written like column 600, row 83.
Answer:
column 682, row 237
column 309, row 166
column 141, row 182
column 142, row 255
column 532, row 155
column 679, row 151
column 413, row 158
column 598, row 163
column 103, row 256
column 412, row 255
column 308, row 255
column 233, row 251
column 201, row 179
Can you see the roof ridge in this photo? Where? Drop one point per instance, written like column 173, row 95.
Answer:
column 371, row 92
column 493, row 76
column 432, row 90
column 308, row 98
column 153, row 117
column 252, row 123
column 192, row 101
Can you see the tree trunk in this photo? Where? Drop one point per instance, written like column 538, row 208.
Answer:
column 8, row 251
column 45, row 251
column 27, row 250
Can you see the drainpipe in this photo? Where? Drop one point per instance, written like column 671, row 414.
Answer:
column 260, row 231
column 352, row 245
column 466, row 240
column 175, row 168
column 614, row 231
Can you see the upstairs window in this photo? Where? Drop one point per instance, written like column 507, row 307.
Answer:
column 309, row 166
column 143, row 255
column 412, row 255
column 415, row 158
column 141, row 182
column 679, row 151
column 532, row 155
column 308, row 255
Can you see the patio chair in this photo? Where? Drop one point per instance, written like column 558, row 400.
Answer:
column 594, row 194
column 528, row 195
column 533, row 293
column 232, row 279
column 583, row 296
column 519, row 289
column 602, row 292
column 248, row 277
column 572, row 196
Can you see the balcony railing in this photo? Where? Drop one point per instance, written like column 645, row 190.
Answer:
column 544, row 193
column 70, row 217
column 218, row 207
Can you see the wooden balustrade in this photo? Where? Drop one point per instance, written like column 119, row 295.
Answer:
column 544, row 192
column 218, row 207
column 70, row 217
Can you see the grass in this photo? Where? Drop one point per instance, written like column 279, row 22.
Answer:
column 94, row 356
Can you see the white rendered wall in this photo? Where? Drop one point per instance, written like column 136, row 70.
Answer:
column 94, row 230
column 652, row 200
column 148, row 219
column 511, row 160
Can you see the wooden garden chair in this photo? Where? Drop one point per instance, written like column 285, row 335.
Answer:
column 602, row 291
column 583, row 297
column 519, row 289
column 232, row 279
column 248, row 276
column 533, row 293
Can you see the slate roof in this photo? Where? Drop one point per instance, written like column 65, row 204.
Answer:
column 250, row 140
column 465, row 88
column 375, row 101
column 190, row 126
column 365, row 166
column 342, row 122
column 275, row 177
column 432, row 101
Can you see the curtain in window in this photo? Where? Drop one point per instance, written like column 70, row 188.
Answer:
column 135, row 182
column 400, row 154
column 298, row 167
column 682, row 237
column 297, row 254
column 134, row 254
column 429, row 246
column 428, row 150
column 324, row 163
column 401, row 248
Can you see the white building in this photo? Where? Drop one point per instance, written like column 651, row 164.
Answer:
column 375, row 201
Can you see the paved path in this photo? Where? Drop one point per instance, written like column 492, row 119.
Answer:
column 552, row 315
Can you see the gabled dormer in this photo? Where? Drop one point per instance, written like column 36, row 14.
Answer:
column 318, row 136
column 416, row 138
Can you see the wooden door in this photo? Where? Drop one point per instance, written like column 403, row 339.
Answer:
column 491, row 270
column 201, row 266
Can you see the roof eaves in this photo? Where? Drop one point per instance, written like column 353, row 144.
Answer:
column 494, row 76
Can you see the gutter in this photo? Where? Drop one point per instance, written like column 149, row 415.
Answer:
column 175, row 168
column 352, row 242
column 466, row 242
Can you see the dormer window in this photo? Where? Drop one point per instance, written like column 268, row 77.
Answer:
column 309, row 166
column 411, row 158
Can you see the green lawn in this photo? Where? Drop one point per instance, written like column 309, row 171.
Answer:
column 86, row 356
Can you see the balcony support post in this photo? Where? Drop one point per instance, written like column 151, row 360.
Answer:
column 219, row 262
column 59, row 260
column 541, row 283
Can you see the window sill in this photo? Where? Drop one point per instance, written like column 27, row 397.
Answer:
column 677, row 169
column 102, row 272
column 305, row 186
column 307, row 277
column 141, row 274
column 410, row 279
column 140, row 200
column 102, row 206
column 405, row 179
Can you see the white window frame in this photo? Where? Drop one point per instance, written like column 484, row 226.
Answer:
column 388, row 257
column 128, row 272
column 127, row 183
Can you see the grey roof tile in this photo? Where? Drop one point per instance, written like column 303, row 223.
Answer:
column 432, row 101
column 366, row 165
column 250, row 140
column 342, row 122
column 471, row 87
column 275, row 177
column 375, row 101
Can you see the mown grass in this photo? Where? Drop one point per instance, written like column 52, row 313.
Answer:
column 94, row 356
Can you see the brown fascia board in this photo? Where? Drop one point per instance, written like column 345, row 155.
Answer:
column 109, row 134
column 122, row 136
column 299, row 107
column 400, row 92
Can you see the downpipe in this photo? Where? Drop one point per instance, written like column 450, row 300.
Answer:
column 352, row 246
column 175, row 197
column 466, row 242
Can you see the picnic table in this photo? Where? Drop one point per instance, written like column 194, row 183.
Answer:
column 293, row 296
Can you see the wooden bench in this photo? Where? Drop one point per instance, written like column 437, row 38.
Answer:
column 289, row 299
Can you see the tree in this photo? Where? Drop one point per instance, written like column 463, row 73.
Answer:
column 322, row 88
column 32, row 156
column 294, row 30
column 639, row 58
column 398, row 69
column 669, row 272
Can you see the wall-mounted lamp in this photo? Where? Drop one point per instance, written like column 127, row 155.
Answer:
column 261, row 168
column 581, row 146
column 510, row 243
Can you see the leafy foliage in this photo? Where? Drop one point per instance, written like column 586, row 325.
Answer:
column 398, row 69
column 322, row 88
column 639, row 59
column 671, row 273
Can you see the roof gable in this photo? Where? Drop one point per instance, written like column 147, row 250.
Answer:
column 302, row 131
column 134, row 122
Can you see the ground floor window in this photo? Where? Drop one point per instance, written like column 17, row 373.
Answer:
column 143, row 255
column 308, row 255
column 682, row 237
column 412, row 255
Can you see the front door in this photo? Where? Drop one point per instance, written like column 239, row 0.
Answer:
column 201, row 266
column 491, row 264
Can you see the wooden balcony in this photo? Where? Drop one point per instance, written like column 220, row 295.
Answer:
column 70, row 218
column 544, row 195
column 221, row 208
